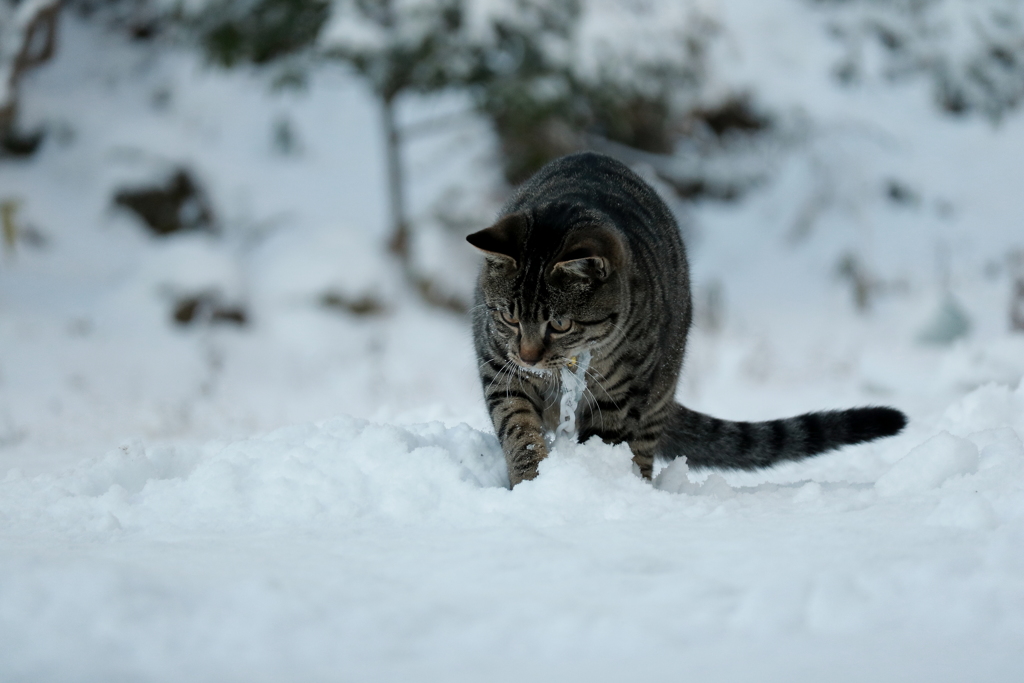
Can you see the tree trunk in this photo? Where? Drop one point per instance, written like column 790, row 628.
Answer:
column 398, row 243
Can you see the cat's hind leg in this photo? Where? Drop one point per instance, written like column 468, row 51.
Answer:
column 643, row 456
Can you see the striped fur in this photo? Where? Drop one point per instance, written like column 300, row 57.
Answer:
column 586, row 256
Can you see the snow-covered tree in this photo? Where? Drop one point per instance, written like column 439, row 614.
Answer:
column 401, row 47
column 972, row 50
column 552, row 76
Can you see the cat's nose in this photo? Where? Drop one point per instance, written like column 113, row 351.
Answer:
column 530, row 353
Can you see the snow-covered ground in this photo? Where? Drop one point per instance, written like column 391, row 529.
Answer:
column 318, row 496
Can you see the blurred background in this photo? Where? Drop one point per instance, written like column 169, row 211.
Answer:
column 222, row 216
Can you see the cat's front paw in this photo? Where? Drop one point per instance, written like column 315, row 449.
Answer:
column 517, row 475
column 522, row 466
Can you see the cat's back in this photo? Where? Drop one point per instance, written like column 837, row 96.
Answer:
column 599, row 182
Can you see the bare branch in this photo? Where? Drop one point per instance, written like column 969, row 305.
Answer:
column 28, row 38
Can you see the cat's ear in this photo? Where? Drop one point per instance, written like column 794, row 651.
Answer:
column 594, row 256
column 590, row 267
column 502, row 242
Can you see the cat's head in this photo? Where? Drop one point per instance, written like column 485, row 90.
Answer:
column 554, row 283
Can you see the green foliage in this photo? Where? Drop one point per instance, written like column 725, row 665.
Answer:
column 530, row 96
column 536, row 120
column 404, row 46
column 543, row 104
column 542, row 118
column 262, row 31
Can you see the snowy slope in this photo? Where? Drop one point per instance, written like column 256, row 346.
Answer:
column 318, row 496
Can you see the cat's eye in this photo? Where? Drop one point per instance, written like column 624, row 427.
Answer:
column 509, row 318
column 560, row 324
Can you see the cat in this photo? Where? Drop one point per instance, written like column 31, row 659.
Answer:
column 586, row 257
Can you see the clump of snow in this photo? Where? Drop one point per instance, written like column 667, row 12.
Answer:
column 970, row 511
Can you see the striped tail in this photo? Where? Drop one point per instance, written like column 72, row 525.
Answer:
column 710, row 442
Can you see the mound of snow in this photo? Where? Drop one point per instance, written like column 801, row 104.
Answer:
column 323, row 549
column 341, row 470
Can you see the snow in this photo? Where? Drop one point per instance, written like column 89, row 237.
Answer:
column 929, row 465
column 319, row 495
column 348, row 549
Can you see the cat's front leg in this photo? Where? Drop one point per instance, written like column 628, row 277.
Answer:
column 644, row 443
column 649, row 430
column 517, row 422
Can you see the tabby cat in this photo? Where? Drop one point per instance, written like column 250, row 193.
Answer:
column 586, row 257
